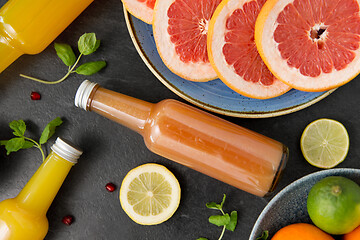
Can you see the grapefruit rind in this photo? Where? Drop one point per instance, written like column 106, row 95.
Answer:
column 267, row 47
column 225, row 72
column 139, row 10
column 193, row 71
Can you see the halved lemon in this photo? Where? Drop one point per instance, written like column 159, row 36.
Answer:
column 325, row 143
column 150, row 194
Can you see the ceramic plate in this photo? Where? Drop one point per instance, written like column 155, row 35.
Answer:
column 289, row 205
column 214, row 95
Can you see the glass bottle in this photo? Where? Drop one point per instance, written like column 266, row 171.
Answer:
column 29, row 26
column 24, row 217
column 194, row 138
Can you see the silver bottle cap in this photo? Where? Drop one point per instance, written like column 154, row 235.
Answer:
column 66, row 150
column 83, row 94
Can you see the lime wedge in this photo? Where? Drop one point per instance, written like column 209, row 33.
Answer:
column 325, row 143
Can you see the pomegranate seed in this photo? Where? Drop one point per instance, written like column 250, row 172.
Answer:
column 68, row 220
column 110, row 187
column 35, row 96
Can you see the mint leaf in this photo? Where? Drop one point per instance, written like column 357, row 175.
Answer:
column 97, row 45
column 65, row 53
column 202, row 238
column 222, row 202
column 14, row 145
column 233, row 221
column 90, row 68
column 49, row 130
column 264, row 236
column 19, row 127
column 219, row 220
column 3, row 142
column 27, row 145
column 213, row 205
column 87, row 43
column 227, row 221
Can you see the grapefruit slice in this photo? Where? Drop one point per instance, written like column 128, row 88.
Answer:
column 312, row 45
column 180, row 31
column 142, row 9
column 233, row 53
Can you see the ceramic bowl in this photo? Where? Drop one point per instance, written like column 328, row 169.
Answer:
column 289, row 205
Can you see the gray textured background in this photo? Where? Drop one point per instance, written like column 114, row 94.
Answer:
column 110, row 150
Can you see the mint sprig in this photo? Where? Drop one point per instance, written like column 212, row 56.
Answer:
column 87, row 44
column 264, row 236
column 22, row 142
column 225, row 220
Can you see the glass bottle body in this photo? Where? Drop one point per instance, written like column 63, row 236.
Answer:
column 19, row 224
column 24, row 217
column 199, row 140
column 215, row 147
column 29, row 26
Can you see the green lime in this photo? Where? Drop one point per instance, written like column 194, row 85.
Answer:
column 325, row 143
column 333, row 205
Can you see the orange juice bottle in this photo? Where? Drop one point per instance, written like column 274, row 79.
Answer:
column 29, row 26
column 194, row 138
column 24, row 217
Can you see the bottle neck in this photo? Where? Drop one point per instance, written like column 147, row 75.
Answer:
column 125, row 110
column 40, row 191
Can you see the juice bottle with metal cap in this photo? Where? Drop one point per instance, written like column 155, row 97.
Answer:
column 194, row 138
column 29, row 26
column 24, row 217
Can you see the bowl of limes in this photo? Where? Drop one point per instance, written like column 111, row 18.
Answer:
column 324, row 205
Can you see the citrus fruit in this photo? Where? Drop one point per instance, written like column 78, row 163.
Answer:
column 311, row 45
column 325, row 143
column 233, row 54
column 301, row 231
column 142, row 9
column 333, row 205
column 150, row 194
column 180, row 30
column 353, row 235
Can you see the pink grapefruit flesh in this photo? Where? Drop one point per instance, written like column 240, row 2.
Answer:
column 312, row 45
column 180, row 32
column 233, row 52
column 142, row 9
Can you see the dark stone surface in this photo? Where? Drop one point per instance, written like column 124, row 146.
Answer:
column 110, row 150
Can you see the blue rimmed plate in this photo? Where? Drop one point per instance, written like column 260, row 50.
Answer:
column 214, row 96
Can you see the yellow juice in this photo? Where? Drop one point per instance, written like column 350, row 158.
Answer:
column 24, row 217
column 29, row 26
column 17, row 224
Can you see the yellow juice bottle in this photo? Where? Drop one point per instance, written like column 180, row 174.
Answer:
column 29, row 26
column 24, row 217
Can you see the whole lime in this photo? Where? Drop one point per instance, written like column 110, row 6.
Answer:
column 334, row 205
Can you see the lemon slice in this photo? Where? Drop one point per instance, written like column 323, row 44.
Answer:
column 150, row 194
column 325, row 143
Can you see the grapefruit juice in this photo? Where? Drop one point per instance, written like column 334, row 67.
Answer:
column 194, row 138
column 29, row 26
